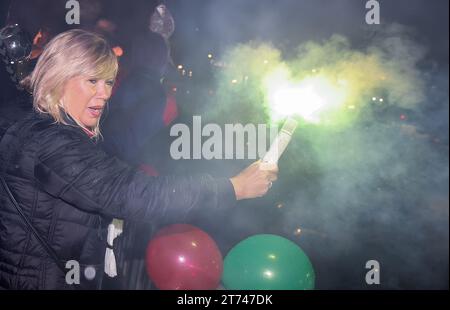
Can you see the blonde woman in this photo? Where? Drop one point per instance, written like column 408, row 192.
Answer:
column 59, row 190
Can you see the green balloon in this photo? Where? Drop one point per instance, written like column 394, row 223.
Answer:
column 267, row 262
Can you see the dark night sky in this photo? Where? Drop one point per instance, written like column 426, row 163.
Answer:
column 213, row 25
column 216, row 24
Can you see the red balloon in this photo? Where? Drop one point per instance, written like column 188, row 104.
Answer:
column 184, row 257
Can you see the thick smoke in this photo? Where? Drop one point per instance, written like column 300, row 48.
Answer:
column 375, row 186
column 385, row 71
column 370, row 184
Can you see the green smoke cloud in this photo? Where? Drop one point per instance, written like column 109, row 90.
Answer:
column 384, row 73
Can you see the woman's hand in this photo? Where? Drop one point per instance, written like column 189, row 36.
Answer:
column 255, row 180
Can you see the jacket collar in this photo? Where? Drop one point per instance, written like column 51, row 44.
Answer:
column 70, row 122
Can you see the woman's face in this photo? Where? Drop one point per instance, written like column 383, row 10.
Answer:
column 84, row 99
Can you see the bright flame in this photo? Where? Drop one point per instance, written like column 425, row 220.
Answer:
column 308, row 98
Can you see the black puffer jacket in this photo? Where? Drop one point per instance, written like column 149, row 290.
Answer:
column 70, row 189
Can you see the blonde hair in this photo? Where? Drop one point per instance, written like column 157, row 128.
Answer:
column 69, row 54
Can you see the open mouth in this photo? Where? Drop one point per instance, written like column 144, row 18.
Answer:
column 95, row 111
